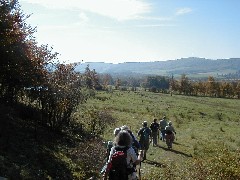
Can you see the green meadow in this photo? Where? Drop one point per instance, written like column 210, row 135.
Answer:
column 207, row 140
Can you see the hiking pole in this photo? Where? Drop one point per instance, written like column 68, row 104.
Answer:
column 140, row 164
column 139, row 171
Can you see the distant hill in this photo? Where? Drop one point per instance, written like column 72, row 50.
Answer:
column 192, row 67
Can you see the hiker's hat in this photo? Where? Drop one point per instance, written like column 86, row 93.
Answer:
column 124, row 128
column 116, row 131
column 144, row 123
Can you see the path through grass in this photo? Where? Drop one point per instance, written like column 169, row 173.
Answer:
column 203, row 125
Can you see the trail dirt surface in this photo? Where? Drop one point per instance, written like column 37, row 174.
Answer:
column 160, row 157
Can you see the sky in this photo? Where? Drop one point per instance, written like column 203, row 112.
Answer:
column 117, row 31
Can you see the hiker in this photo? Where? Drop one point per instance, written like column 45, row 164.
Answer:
column 135, row 143
column 170, row 135
column 110, row 144
column 122, row 151
column 145, row 138
column 155, row 131
column 163, row 123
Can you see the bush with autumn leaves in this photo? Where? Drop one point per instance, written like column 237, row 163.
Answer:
column 39, row 137
column 31, row 73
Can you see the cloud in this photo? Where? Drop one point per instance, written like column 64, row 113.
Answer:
column 83, row 17
column 155, row 18
column 116, row 9
column 183, row 11
column 156, row 25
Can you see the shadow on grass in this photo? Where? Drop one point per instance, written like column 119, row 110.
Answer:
column 154, row 163
column 175, row 151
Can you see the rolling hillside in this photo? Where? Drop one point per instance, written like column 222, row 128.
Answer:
column 193, row 67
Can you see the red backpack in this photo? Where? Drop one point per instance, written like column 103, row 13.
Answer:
column 118, row 164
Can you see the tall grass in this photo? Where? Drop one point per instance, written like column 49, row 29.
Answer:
column 207, row 132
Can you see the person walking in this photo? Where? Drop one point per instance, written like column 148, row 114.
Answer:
column 170, row 135
column 135, row 142
column 155, row 131
column 145, row 138
column 110, row 144
column 163, row 123
column 122, row 143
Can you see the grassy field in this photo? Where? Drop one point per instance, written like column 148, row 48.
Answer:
column 207, row 129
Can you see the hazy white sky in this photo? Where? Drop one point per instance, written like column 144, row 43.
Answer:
column 136, row 30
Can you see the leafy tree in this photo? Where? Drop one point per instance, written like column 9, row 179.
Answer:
column 23, row 63
column 134, row 82
column 174, row 85
column 195, row 88
column 237, row 90
column 211, row 86
column 227, row 89
column 201, row 88
column 185, row 85
column 156, row 82
column 63, row 95
column 106, row 80
column 91, row 79
column 117, row 83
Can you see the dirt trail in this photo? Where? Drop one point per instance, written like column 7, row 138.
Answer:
column 160, row 156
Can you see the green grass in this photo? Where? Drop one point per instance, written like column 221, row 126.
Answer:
column 204, row 126
column 206, row 146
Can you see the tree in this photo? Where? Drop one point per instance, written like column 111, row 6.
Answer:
column 91, row 79
column 107, row 80
column 22, row 62
column 211, row 86
column 156, row 83
column 61, row 98
column 237, row 90
column 185, row 86
column 174, row 85
column 227, row 89
column 117, row 83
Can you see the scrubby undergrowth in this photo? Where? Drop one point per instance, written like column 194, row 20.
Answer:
column 30, row 152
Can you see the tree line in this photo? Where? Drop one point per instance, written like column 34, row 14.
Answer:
column 210, row 87
column 183, row 85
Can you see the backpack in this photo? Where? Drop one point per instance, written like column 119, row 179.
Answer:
column 154, row 127
column 135, row 143
column 118, row 164
column 163, row 124
column 145, row 134
column 168, row 130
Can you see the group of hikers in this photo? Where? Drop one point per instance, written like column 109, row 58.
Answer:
column 126, row 151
